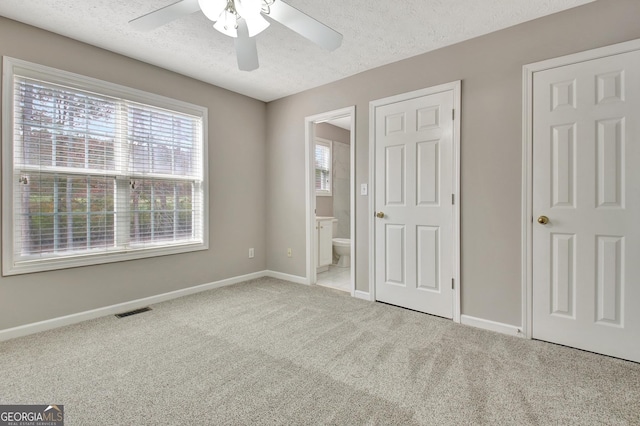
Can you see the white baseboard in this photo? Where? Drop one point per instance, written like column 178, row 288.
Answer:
column 364, row 295
column 287, row 277
column 498, row 327
column 37, row 327
column 24, row 330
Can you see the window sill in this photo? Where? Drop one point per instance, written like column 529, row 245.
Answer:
column 52, row 264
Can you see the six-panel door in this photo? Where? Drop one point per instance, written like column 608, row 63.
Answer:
column 586, row 180
column 414, row 183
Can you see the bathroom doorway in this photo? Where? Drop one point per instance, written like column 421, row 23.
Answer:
column 330, row 179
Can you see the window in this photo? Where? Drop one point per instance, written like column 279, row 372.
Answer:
column 323, row 167
column 95, row 172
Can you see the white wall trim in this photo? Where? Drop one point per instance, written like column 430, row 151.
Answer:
column 457, row 105
column 37, row 327
column 310, row 189
column 498, row 327
column 363, row 295
column 354, row 194
column 372, row 200
column 287, row 277
column 527, row 203
column 454, row 86
column 527, row 162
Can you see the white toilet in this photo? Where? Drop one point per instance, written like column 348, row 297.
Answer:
column 342, row 248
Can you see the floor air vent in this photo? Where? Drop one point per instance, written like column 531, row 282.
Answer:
column 134, row 312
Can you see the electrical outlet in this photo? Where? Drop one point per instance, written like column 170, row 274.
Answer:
column 288, row 252
column 251, row 253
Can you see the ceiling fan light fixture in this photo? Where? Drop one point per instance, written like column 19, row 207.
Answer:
column 248, row 8
column 242, row 20
column 266, row 6
column 227, row 23
column 256, row 24
column 251, row 12
column 212, row 8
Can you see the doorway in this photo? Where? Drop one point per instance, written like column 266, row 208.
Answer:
column 330, row 199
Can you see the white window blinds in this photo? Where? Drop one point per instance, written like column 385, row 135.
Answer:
column 323, row 167
column 97, row 175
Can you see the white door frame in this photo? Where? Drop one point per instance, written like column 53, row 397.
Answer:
column 527, row 162
column 309, row 135
column 456, row 87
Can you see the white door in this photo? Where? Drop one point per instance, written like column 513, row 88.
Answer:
column 413, row 201
column 586, row 181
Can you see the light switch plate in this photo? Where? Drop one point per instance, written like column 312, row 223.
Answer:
column 363, row 189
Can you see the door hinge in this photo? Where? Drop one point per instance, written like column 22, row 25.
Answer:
column 453, row 198
column 453, row 283
column 453, row 114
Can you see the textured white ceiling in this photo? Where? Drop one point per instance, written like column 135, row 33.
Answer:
column 376, row 32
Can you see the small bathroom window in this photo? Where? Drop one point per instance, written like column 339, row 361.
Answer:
column 323, row 167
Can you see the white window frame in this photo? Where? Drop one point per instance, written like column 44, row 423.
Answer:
column 329, row 144
column 12, row 66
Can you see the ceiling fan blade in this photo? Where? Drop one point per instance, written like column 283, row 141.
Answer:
column 304, row 25
column 246, row 50
column 159, row 17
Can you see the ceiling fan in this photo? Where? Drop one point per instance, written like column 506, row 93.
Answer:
column 243, row 20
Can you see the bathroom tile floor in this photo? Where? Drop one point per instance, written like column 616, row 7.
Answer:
column 336, row 277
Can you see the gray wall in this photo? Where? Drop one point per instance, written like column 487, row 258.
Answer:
column 490, row 68
column 332, row 133
column 236, row 179
column 341, row 182
column 324, row 205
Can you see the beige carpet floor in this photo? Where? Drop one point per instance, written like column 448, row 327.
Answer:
column 271, row 352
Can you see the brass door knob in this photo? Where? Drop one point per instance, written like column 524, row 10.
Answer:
column 380, row 215
column 543, row 220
